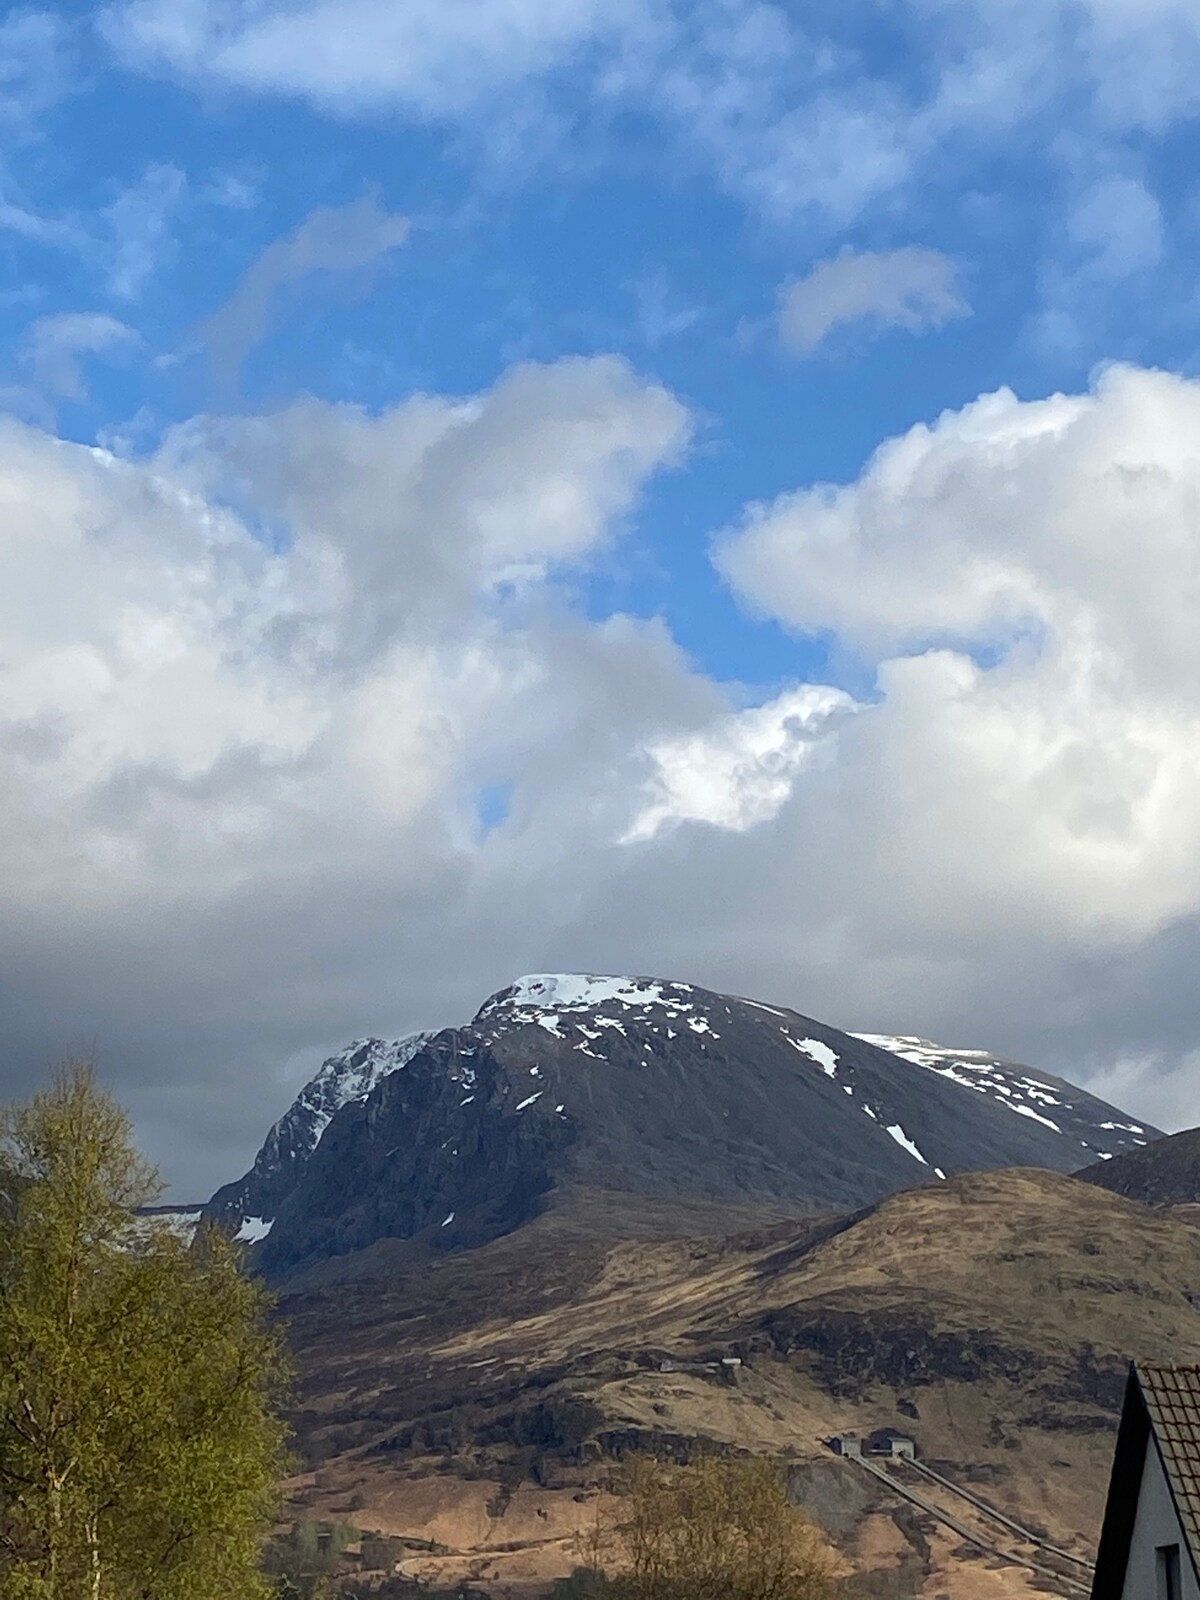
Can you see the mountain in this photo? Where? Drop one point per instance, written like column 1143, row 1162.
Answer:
column 1165, row 1173
column 642, row 1088
column 510, row 1252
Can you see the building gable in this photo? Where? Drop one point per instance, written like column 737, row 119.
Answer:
column 1172, row 1396
column 1154, row 1492
column 1156, row 1528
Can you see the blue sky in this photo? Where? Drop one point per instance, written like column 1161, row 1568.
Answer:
column 741, row 246
column 146, row 196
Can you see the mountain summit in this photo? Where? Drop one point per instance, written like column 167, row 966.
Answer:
column 570, row 1084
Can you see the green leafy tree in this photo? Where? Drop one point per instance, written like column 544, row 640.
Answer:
column 140, row 1451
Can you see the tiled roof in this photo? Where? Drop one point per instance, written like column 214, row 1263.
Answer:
column 1172, row 1397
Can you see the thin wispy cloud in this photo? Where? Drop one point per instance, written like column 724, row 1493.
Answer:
column 911, row 288
column 1116, row 225
column 1111, row 242
column 781, row 108
column 57, row 346
column 432, row 57
column 36, row 66
column 331, row 239
column 660, row 313
column 39, row 229
column 139, row 224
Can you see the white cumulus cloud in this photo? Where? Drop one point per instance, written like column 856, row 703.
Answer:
column 738, row 771
column 1022, row 576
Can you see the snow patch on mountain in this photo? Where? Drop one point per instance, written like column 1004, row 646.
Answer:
column 905, row 1143
column 815, row 1050
column 1036, row 1116
column 980, row 1071
column 546, row 993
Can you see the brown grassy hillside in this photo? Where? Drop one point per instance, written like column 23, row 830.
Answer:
column 477, row 1399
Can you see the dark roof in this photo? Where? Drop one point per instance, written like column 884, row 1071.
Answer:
column 1162, row 1404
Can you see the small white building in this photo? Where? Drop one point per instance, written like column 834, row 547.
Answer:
column 896, row 1446
column 1150, row 1541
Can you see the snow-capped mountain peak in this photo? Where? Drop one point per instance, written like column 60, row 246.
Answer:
column 541, row 993
column 638, row 1083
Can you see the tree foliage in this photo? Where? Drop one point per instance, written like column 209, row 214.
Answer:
column 139, row 1449
column 304, row 1561
column 718, row 1529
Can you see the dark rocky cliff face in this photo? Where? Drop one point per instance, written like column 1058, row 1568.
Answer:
column 346, row 1077
column 642, row 1088
column 445, row 1146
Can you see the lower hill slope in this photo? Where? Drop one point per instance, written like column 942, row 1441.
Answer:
column 476, row 1399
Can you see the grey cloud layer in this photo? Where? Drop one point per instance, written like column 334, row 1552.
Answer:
column 239, row 783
